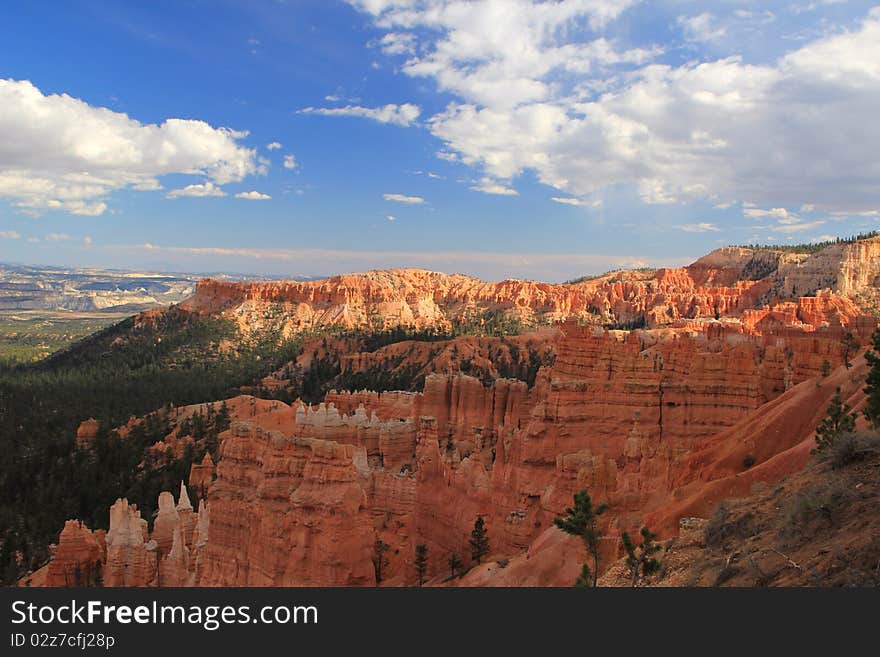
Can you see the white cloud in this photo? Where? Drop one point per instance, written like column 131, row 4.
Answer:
column 702, row 27
column 9, row 235
column 401, row 198
column 391, row 217
column 274, row 146
column 699, row 228
column 796, row 226
column 289, row 161
column 567, row 200
column 490, row 186
column 87, row 240
column 58, row 237
column 757, row 213
column 60, row 153
column 786, row 221
column 253, row 196
column 532, row 95
column 206, row 189
column 403, row 115
column 499, row 52
column 395, row 43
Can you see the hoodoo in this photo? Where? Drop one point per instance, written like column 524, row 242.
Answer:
column 661, row 393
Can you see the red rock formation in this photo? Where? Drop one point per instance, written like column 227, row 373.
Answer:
column 656, row 422
column 423, row 299
column 86, row 433
column 288, row 511
column 201, row 474
column 79, row 557
column 131, row 560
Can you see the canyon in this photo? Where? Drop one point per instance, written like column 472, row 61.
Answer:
column 662, row 393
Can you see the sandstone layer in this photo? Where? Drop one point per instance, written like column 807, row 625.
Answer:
column 723, row 386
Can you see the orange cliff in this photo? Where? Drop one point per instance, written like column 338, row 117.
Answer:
column 726, row 283
column 423, row 299
column 639, row 418
column 656, row 422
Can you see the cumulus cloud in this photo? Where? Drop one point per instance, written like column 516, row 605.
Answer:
column 253, row 196
column 199, row 189
column 289, row 161
column 490, row 186
column 403, row 115
column 401, row 198
column 533, row 93
column 274, row 146
column 60, row 153
column 501, row 52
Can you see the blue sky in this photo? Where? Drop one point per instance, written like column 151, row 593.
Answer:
column 503, row 138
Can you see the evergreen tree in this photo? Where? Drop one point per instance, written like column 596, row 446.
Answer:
column 585, row 579
column 222, row 419
column 639, row 557
column 837, row 422
column 421, row 561
column 582, row 520
column 479, row 541
column 826, row 369
column 872, row 406
column 454, row 564
column 850, row 346
column 380, row 547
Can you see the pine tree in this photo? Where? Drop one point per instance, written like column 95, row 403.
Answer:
column 421, row 561
column 479, row 540
column 837, row 422
column 222, row 419
column 872, row 405
column 639, row 557
column 380, row 547
column 826, row 369
column 582, row 520
column 454, row 563
column 850, row 346
column 585, row 579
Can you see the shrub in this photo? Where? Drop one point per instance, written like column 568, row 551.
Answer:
column 820, row 501
column 722, row 525
column 851, row 447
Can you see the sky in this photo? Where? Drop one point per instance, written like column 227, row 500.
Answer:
column 503, row 138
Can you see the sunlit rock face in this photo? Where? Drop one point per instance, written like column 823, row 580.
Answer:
column 733, row 364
